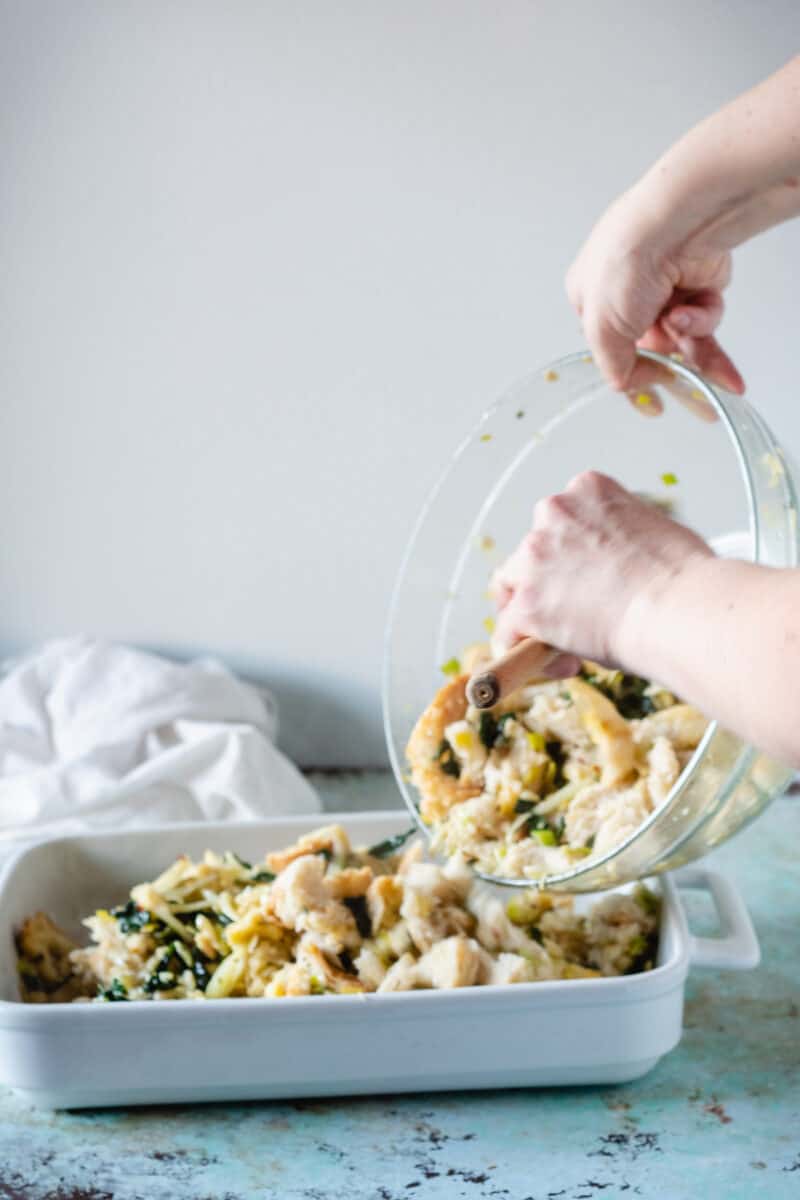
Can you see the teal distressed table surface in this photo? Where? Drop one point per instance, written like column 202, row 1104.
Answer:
column 719, row 1117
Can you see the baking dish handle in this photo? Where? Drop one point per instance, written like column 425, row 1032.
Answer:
column 737, row 946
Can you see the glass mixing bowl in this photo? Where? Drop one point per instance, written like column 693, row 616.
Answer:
column 706, row 455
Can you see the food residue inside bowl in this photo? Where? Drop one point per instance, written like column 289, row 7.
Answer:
column 557, row 773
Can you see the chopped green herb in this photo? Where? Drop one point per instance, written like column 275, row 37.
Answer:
column 492, row 730
column 161, row 932
column 451, row 667
column 487, row 729
column 633, row 708
column 130, row 917
column 590, row 841
column 558, row 756
column 315, row 986
column 447, row 760
column 643, row 950
column 524, row 806
column 537, row 825
column 390, row 845
column 627, row 692
column 647, row 900
column 160, row 981
column 262, row 877
column 243, row 863
column 117, row 991
column 669, row 479
column 191, row 918
column 358, row 907
column 536, row 934
column 545, row 836
column 200, row 970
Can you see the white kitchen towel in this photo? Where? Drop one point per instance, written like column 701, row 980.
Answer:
column 100, row 736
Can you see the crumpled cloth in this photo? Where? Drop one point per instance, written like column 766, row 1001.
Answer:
column 100, row 736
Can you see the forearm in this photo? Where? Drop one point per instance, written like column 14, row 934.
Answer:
column 737, row 172
column 725, row 636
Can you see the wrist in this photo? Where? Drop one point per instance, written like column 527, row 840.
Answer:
column 657, row 611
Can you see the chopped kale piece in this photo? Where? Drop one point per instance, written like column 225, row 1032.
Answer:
column 643, row 950
column 175, row 959
column 262, row 877
column 190, row 918
column 626, row 692
column 492, row 730
column 487, row 729
column 162, row 933
column 647, row 900
column 447, row 760
column 117, row 991
column 391, row 845
column 358, row 907
column 633, row 703
column 558, row 756
column 200, row 970
column 160, row 981
column 534, row 824
column 130, row 917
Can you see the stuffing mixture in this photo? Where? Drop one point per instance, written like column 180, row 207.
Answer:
column 321, row 917
column 556, row 773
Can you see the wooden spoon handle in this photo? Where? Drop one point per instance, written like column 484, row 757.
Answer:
column 526, row 663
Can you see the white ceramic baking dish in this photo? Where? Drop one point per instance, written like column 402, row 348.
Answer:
column 78, row 1055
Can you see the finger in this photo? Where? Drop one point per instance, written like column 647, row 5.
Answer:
column 697, row 316
column 507, row 577
column 710, row 359
column 648, row 375
column 594, row 484
column 647, row 403
column 500, row 593
column 507, row 632
column 564, row 666
column 659, row 339
column 614, row 352
column 512, row 628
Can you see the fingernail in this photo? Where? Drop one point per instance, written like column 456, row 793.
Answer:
column 680, row 320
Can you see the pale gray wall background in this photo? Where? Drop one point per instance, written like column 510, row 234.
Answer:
column 263, row 264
